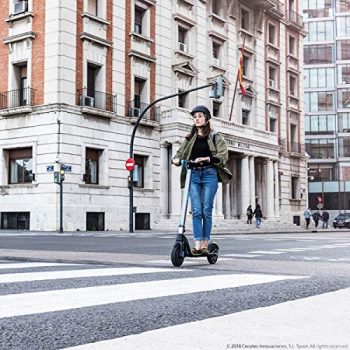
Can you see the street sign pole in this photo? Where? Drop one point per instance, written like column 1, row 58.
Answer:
column 61, row 179
column 61, row 206
column 130, row 165
column 217, row 87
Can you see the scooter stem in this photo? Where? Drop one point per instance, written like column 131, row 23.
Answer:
column 185, row 201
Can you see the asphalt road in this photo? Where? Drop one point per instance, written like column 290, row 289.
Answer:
column 265, row 291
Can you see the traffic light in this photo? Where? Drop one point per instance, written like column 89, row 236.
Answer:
column 62, row 172
column 218, row 89
column 56, row 177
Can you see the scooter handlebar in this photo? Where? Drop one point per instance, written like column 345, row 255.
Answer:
column 189, row 164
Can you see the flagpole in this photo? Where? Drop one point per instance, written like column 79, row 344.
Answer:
column 235, row 90
column 234, row 96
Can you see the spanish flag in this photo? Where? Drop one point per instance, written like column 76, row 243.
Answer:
column 240, row 72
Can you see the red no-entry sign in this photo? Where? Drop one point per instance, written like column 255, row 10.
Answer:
column 130, row 164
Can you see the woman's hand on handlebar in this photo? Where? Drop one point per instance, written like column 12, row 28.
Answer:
column 176, row 162
column 202, row 160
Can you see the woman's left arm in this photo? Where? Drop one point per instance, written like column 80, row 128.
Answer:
column 221, row 155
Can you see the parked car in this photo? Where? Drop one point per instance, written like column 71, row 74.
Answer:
column 342, row 220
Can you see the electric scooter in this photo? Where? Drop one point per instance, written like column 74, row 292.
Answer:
column 182, row 248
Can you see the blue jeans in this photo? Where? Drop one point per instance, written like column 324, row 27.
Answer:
column 258, row 222
column 204, row 184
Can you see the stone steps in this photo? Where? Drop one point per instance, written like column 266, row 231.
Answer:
column 229, row 225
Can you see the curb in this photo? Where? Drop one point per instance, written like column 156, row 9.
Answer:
column 161, row 232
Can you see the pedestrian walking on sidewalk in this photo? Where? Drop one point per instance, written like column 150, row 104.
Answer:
column 316, row 216
column 208, row 150
column 258, row 215
column 249, row 214
column 307, row 216
column 325, row 218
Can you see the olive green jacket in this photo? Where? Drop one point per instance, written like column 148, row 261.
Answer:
column 218, row 150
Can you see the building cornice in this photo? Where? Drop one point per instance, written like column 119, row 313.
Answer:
column 148, row 2
column 95, row 39
column 181, row 18
column 19, row 17
column 95, row 18
column 217, row 35
column 19, row 37
column 142, row 56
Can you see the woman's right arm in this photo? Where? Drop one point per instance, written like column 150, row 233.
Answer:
column 180, row 153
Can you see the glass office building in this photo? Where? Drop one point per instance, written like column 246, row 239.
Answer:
column 327, row 102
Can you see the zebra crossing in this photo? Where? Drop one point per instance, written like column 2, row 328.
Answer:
column 314, row 248
column 79, row 306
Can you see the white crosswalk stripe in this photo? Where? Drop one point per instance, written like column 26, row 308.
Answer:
column 50, row 301
column 294, row 322
column 149, row 284
column 54, row 275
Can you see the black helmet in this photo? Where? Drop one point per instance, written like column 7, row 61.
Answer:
column 202, row 109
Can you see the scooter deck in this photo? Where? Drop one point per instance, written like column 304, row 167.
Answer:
column 201, row 255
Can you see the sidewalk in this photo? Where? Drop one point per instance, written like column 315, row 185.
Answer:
column 249, row 230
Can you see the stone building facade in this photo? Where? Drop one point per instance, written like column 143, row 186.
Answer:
column 77, row 74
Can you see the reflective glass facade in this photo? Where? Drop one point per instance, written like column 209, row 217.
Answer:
column 327, row 101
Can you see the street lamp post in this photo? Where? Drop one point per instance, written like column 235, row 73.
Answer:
column 217, row 92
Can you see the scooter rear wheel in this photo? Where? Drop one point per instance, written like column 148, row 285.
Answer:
column 213, row 249
column 176, row 257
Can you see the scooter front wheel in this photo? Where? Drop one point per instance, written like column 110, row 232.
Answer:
column 213, row 249
column 176, row 257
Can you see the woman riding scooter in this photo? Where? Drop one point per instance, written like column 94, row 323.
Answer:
column 209, row 155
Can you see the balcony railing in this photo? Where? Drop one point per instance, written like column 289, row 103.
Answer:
column 282, row 144
column 97, row 99
column 17, row 98
column 296, row 147
column 294, row 18
column 136, row 107
column 278, row 9
column 260, row 4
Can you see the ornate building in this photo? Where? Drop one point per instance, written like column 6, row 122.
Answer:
column 77, row 74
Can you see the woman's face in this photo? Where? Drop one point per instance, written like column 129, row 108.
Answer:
column 199, row 119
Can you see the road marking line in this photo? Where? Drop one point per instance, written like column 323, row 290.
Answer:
column 187, row 261
column 102, row 272
column 75, row 298
column 314, row 320
column 286, row 250
column 30, row 265
column 241, row 255
column 265, row 252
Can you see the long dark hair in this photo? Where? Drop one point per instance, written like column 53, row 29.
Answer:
column 206, row 131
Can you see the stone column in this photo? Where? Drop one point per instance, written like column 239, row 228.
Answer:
column 233, row 190
column 2, row 168
column 277, row 189
column 259, row 183
column 252, row 181
column 164, row 180
column 218, row 202
column 175, row 192
column 270, row 203
column 244, row 186
column 227, row 201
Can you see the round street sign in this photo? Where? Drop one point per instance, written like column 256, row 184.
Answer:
column 130, row 164
column 319, row 205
